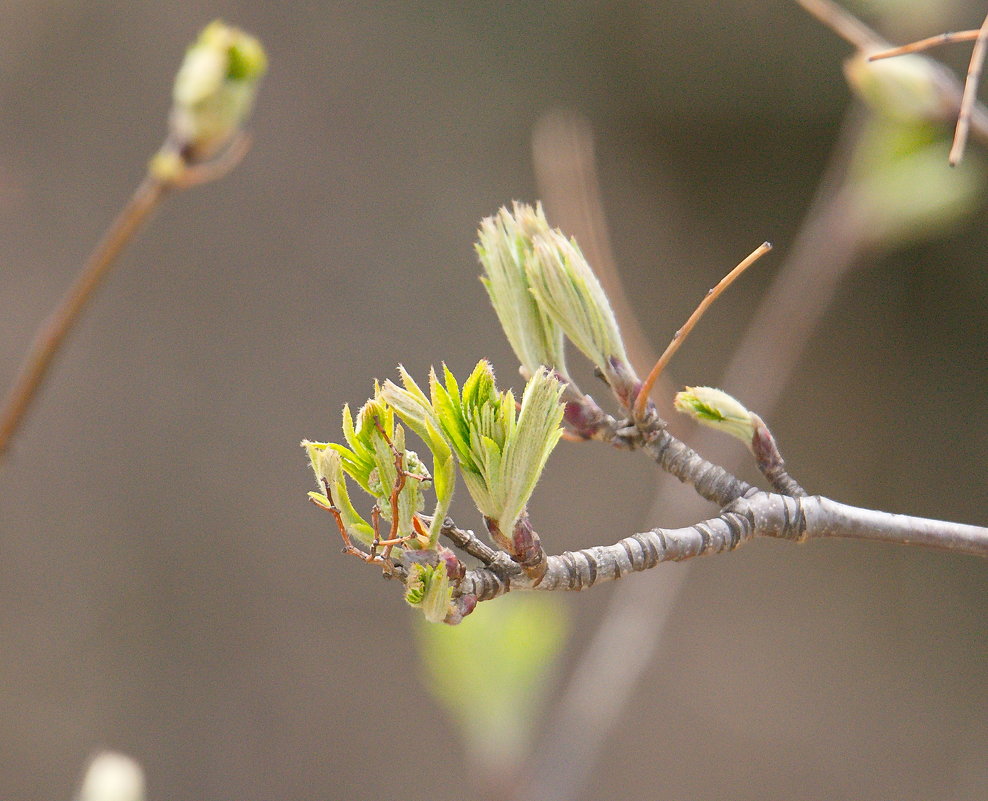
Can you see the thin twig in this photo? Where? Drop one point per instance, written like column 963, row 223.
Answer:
column 926, row 44
column 53, row 331
column 970, row 96
column 680, row 336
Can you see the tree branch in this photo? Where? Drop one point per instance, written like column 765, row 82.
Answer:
column 711, row 481
column 757, row 514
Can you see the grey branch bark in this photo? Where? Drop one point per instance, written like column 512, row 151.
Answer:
column 757, row 514
column 711, row 481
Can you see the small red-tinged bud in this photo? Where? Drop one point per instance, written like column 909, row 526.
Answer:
column 763, row 445
column 527, row 550
column 461, row 607
column 455, row 569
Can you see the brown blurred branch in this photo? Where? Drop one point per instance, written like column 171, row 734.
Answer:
column 50, row 336
column 970, row 97
column 566, row 173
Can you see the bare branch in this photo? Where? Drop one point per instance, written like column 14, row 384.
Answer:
column 711, row 481
column 468, row 542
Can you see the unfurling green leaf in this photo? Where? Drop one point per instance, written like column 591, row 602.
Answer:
column 327, row 464
column 498, row 661
column 567, row 291
column 534, row 437
column 427, row 588
column 716, row 409
column 412, row 405
column 501, row 451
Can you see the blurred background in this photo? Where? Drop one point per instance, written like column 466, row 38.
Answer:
column 165, row 588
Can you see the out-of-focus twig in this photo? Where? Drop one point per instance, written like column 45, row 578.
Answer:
column 566, row 174
column 970, row 96
column 867, row 41
column 844, row 24
column 926, row 44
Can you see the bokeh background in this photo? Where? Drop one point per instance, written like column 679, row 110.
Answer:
column 166, row 590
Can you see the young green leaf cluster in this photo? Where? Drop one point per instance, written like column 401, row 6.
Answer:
column 716, row 409
column 375, row 457
column 501, row 451
column 501, row 448
column 428, row 588
column 505, row 246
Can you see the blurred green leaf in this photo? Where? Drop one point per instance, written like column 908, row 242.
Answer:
column 906, row 88
column 902, row 187
column 489, row 671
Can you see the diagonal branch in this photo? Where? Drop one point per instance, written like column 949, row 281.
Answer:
column 50, row 336
column 711, row 481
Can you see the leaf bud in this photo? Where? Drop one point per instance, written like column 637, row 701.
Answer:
column 213, row 93
column 716, row 409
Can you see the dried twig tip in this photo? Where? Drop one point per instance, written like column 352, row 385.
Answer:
column 642, row 401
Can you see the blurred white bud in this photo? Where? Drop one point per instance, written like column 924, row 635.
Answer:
column 112, row 776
